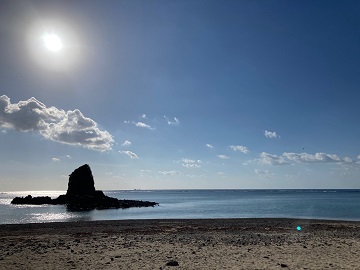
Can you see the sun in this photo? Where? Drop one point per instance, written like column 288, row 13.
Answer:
column 52, row 42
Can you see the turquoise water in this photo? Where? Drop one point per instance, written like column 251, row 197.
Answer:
column 318, row 204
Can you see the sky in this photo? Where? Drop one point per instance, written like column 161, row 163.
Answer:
column 180, row 94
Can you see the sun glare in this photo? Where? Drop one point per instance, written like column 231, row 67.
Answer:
column 52, row 42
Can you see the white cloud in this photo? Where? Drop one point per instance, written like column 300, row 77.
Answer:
column 358, row 157
column 68, row 127
column 130, row 154
column 170, row 122
column 316, row 158
column 170, row 173
column 143, row 116
column 240, row 148
column 223, row 156
column 139, row 124
column 269, row 159
column 143, row 125
column 263, row 173
column 209, row 146
column 190, row 163
column 271, row 134
column 56, row 159
column 126, row 143
column 68, row 156
column 145, row 171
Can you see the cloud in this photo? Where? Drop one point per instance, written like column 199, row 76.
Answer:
column 139, row 124
column 126, row 143
column 271, row 135
column 316, row 158
column 145, row 171
column 171, row 173
column 174, row 123
column 209, row 146
column 190, row 163
column 269, row 159
column 240, row 148
column 263, row 173
column 56, row 159
column 68, row 156
column 68, row 127
column 223, row 156
column 130, row 154
column 143, row 116
column 143, row 125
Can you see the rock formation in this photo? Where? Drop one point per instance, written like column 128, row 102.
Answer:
column 81, row 182
column 82, row 195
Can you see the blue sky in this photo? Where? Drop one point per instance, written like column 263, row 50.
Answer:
column 180, row 94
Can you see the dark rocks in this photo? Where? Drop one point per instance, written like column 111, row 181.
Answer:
column 172, row 263
column 82, row 196
column 32, row 200
column 81, row 182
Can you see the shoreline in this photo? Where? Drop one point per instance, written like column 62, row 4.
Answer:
column 260, row 243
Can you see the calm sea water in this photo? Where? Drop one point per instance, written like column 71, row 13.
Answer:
column 318, row 204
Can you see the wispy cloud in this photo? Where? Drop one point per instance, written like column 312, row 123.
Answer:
column 126, row 143
column 263, row 173
column 190, row 163
column 223, row 156
column 269, row 159
column 130, row 154
column 143, row 116
column 143, row 125
column 171, row 173
column 56, row 159
column 174, row 122
column 271, row 134
column 139, row 124
column 68, row 156
column 240, row 148
column 316, row 158
column 210, row 146
column 68, row 127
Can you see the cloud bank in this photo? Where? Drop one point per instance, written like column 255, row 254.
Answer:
column 316, row 158
column 68, row 127
column 266, row 158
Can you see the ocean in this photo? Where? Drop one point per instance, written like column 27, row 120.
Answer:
column 196, row 204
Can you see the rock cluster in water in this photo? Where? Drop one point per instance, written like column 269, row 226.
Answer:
column 82, row 195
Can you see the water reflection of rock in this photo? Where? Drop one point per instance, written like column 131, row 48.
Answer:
column 82, row 195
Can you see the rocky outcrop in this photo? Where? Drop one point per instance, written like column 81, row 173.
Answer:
column 81, row 182
column 82, row 195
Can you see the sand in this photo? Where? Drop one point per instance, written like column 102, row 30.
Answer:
column 182, row 244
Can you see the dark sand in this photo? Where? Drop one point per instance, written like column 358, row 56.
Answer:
column 186, row 244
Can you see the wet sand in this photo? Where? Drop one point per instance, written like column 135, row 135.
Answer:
column 182, row 244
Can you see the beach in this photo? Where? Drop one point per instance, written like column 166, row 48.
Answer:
column 182, row 244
